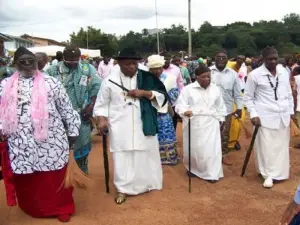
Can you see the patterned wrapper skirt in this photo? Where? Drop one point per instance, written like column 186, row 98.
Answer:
column 81, row 156
column 167, row 140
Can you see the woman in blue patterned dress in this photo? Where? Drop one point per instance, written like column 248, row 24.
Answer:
column 166, row 131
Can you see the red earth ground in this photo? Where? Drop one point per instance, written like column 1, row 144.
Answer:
column 232, row 201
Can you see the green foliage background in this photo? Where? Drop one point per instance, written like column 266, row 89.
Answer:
column 237, row 38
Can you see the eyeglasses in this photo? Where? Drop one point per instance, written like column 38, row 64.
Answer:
column 221, row 57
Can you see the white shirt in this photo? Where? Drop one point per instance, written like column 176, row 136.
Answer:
column 297, row 80
column 259, row 97
column 205, row 102
column 241, row 76
column 46, row 67
column 104, row 69
column 169, row 82
column 54, row 62
column 141, row 66
column 124, row 114
column 229, row 85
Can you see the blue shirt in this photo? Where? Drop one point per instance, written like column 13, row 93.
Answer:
column 297, row 195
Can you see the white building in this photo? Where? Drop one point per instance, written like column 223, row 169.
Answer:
column 16, row 42
column 150, row 32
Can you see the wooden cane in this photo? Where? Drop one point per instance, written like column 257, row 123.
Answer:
column 190, row 180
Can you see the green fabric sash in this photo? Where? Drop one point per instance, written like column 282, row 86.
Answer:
column 148, row 82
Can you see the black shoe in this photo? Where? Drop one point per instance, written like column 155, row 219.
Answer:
column 190, row 174
column 211, row 181
column 237, row 146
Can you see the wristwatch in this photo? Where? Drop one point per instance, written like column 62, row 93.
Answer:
column 72, row 143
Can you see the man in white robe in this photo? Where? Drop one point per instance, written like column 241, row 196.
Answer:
column 202, row 102
column 268, row 98
column 132, row 122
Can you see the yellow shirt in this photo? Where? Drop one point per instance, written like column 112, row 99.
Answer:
column 231, row 65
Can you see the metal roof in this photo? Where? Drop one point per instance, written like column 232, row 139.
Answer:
column 5, row 38
column 11, row 38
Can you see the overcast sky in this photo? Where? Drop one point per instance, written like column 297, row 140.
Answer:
column 56, row 19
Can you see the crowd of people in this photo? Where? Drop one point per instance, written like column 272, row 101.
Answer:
column 50, row 109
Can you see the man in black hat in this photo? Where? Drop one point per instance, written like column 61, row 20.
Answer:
column 127, row 104
column 82, row 84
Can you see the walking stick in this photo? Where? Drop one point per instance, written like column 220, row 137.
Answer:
column 190, row 180
column 105, row 159
column 248, row 154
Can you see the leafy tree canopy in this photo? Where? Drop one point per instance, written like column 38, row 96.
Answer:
column 237, row 38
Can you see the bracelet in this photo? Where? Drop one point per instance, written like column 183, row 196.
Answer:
column 72, row 146
column 152, row 96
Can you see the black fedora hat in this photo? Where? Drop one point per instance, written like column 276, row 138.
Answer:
column 128, row 53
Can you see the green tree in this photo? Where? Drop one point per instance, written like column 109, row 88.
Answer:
column 237, row 38
column 145, row 32
column 247, row 46
column 131, row 40
column 95, row 39
column 206, row 27
column 292, row 20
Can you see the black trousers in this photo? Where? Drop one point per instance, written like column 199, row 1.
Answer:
column 296, row 220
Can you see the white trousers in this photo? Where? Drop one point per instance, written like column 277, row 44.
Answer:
column 136, row 172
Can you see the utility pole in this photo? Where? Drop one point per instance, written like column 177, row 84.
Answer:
column 87, row 38
column 157, row 30
column 190, row 30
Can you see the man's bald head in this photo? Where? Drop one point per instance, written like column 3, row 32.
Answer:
column 240, row 59
column 270, row 57
column 42, row 59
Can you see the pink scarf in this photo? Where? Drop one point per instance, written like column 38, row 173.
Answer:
column 39, row 107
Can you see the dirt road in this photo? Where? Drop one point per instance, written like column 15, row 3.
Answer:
column 233, row 201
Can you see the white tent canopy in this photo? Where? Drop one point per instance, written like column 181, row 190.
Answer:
column 51, row 50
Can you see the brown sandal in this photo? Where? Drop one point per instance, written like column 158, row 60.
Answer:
column 226, row 162
column 120, row 198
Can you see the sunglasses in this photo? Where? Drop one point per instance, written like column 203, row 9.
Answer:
column 26, row 62
column 71, row 62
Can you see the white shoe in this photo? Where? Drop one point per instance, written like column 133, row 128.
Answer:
column 268, row 182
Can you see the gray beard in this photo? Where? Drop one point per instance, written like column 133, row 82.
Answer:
column 27, row 75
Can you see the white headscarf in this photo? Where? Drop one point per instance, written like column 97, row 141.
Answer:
column 155, row 61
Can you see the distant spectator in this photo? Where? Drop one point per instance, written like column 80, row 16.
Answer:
column 58, row 58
